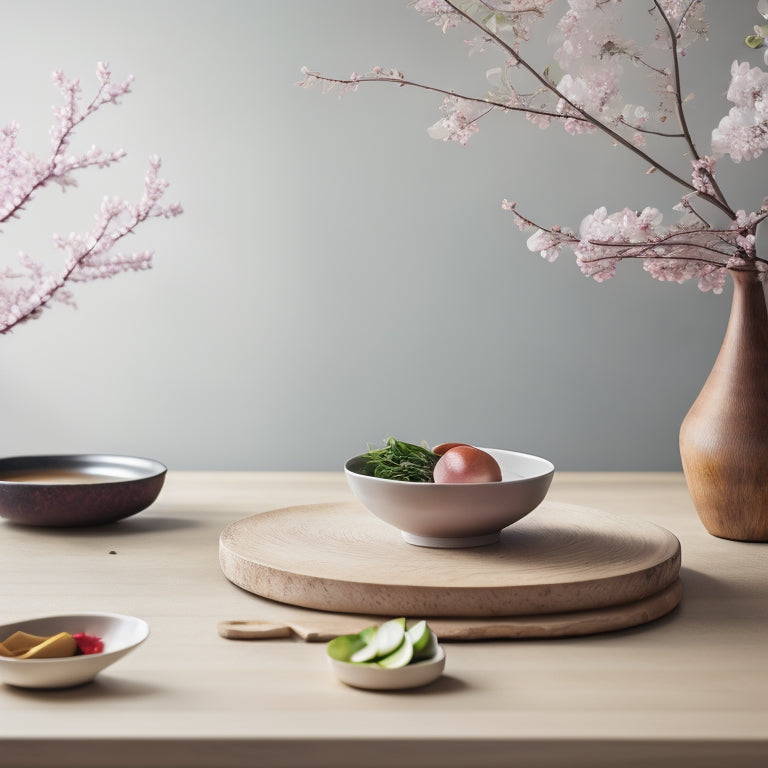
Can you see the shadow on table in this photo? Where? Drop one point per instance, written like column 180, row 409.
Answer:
column 130, row 526
column 700, row 590
column 445, row 685
column 697, row 583
column 102, row 688
column 741, row 579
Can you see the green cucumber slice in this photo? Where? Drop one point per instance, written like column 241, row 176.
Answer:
column 400, row 657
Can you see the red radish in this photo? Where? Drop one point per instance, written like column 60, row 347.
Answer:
column 443, row 447
column 466, row 464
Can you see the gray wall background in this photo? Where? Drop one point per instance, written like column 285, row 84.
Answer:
column 338, row 276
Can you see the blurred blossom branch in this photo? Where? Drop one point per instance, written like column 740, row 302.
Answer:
column 27, row 290
column 582, row 90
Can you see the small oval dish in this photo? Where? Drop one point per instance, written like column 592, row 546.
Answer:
column 375, row 678
column 77, row 490
column 453, row 515
column 121, row 634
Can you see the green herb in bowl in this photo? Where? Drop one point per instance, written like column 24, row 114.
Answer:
column 400, row 461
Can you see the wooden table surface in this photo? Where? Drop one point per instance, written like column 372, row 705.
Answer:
column 690, row 689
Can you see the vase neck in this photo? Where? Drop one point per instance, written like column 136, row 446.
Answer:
column 748, row 293
column 748, row 321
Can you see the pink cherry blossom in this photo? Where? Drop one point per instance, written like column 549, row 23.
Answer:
column 459, row 121
column 25, row 293
column 595, row 48
column 703, row 174
column 546, row 243
column 595, row 90
column 687, row 19
column 438, row 12
column 743, row 132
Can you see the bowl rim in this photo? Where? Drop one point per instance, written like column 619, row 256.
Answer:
column 548, row 468
column 80, row 658
column 149, row 469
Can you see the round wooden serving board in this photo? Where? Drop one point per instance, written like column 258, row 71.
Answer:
column 559, row 559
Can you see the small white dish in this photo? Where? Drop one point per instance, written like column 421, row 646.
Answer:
column 377, row 678
column 121, row 634
column 454, row 515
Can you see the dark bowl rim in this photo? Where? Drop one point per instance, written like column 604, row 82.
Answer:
column 155, row 468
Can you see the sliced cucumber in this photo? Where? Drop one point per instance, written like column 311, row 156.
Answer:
column 390, row 636
column 419, row 634
column 343, row 647
column 400, row 657
column 390, row 645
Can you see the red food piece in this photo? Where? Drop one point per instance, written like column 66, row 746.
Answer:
column 466, row 464
column 88, row 643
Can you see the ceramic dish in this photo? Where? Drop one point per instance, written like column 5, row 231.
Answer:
column 380, row 679
column 76, row 490
column 456, row 514
column 121, row 634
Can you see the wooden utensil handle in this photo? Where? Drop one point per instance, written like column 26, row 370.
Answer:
column 253, row 630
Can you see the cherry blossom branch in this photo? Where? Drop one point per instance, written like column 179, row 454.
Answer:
column 729, row 237
column 549, row 85
column 686, row 203
column 640, row 250
column 352, row 82
column 576, row 113
column 717, row 192
column 89, row 255
column 676, row 253
column 684, row 16
column 651, row 131
column 67, row 117
column 635, row 58
column 55, row 285
column 586, row 98
column 102, row 161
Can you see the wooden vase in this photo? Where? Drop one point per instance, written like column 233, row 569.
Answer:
column 724, row 437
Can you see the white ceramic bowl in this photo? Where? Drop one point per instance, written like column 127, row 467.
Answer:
column 382, row 679
column 121, row 634
column 456, row 514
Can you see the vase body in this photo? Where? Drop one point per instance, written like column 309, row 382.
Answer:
column 724, row 437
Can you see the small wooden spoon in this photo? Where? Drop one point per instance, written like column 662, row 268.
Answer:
column 262, row 630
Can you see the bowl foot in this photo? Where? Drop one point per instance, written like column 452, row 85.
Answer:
column 439, row 542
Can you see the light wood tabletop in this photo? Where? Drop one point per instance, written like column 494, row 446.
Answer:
column 690, row 689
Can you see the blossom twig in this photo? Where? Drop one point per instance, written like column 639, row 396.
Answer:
column 716, row 191
column 352, row 82
column 586, row 98
column 583, row 113
column 88, row 256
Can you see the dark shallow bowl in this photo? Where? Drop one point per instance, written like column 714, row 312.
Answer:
column 77, row 490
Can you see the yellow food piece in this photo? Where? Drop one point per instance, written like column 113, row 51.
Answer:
column 22, row 645
column 20, row 642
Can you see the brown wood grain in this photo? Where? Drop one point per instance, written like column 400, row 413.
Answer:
column 340, row 558
column 314, row 626
column 724, row 437
column 689, row 690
